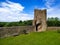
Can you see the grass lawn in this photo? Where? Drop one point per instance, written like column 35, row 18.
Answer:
column 35, row 38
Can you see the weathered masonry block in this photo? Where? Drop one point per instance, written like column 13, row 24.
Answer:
column 40, row 20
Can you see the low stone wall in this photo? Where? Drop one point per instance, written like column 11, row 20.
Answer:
column 53, row 28
column 16, row 30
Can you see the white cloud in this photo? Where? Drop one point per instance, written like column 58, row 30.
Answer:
column 10, row 11
column 52, row 11
column 49, row 3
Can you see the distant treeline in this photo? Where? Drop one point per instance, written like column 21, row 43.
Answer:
column 50, row 22
column 20, row 23
column 53, row 21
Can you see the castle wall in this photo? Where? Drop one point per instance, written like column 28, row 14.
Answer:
column 16, row 30
column 44, row 20
column 53, row 28
column 40, row 20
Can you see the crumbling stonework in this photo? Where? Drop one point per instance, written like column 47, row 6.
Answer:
column 39, row 20
column 15, row 30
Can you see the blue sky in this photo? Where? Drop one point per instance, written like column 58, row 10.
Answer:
column 15, row 10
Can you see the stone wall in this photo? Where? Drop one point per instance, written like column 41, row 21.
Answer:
column 53, row 28
column 40, row 20
column 16, row 30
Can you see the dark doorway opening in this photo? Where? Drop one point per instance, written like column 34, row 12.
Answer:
column 37, row 26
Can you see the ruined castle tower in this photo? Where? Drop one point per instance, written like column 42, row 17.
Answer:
column 39, row 21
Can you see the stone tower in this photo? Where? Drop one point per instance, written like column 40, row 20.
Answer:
column 39, row 21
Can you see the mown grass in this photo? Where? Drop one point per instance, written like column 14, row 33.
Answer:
column 35, row 38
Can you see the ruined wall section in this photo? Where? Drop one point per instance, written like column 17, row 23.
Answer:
column 40, row 17
column 16, row 30
column 44, row 20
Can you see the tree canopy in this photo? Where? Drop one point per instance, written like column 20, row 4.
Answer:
column 50, row 22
